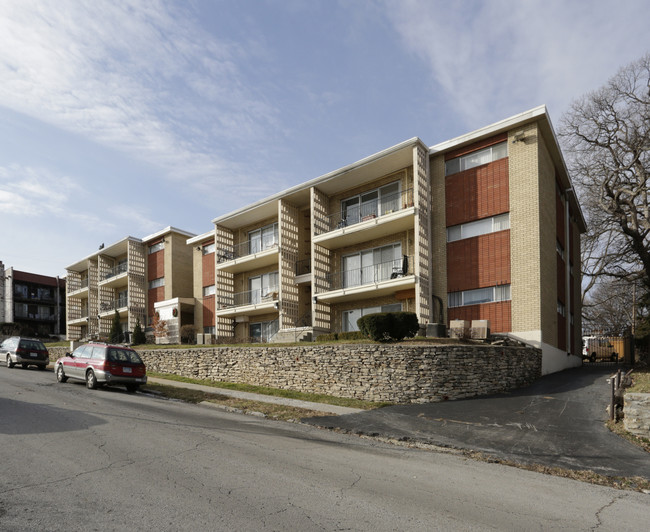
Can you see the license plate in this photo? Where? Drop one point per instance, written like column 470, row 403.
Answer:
column 126, row 370
column 33, row 355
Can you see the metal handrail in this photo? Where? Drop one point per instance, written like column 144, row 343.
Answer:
column 375, row 273
column 366, row 211
column 117, row 270
column 250, row 297
column 250, row 247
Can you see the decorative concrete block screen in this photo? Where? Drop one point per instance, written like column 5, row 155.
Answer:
column 394, row 373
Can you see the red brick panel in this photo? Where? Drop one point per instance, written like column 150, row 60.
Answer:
column 477, row 193
column 559, row 220
column 499, row 315
column 155, row 295
column 208, row 310
column 478, row 262
column 156, row 265
column 561, row 281
column 208, row 269
column 561, row 332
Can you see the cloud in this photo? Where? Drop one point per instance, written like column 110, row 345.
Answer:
column 492, row 59
column 141, row 78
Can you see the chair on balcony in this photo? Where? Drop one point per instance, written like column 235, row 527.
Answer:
column 401, row 271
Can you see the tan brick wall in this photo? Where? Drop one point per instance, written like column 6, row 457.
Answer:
column 526, row 244
column 178, row 266
column 422, row 234
column 438, row 246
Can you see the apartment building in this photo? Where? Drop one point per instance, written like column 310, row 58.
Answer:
column 142, row 279
column 484, row 226
column 34, row 302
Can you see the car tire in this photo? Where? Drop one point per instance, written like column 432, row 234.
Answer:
column 131, row 388
column 592, row 358
column 613, row 357
column 10, row 364
column 91, row 380
column 60, row 375
column 24, row 366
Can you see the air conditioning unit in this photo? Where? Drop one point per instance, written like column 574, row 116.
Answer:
column 480, row 329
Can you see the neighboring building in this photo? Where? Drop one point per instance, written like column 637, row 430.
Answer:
column 484, row 226
column 34, row 302
column 139, row 278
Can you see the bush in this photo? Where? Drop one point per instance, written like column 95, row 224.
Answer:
column 389, row 326
column 138, row 337
column 188, row 334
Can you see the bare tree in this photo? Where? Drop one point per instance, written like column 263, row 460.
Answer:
column 613, row 308
column 606, row 135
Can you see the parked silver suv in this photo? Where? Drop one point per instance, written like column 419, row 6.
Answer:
column 24, row 351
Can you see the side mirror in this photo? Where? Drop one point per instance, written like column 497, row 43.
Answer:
column 69, row 355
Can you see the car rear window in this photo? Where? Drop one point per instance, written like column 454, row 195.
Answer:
column 123, row 355
column 33, row 345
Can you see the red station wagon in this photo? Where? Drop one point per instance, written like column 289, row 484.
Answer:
column 99, row 363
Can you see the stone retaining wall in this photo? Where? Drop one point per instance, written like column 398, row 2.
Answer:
column 637, row 413
column 395, row 373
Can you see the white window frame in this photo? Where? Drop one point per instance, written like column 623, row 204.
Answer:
column 365, row 269
column 156, row 283
column 479, row 296
column 207, row 249
column 155, row 248
column 476, row 158
column 265, row 237
column 371, row 203
column 269, row 282
column 209, row 290
column 493, row 224
column 349, row 322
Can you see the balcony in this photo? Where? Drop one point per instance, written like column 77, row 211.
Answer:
column 79, row 289
column 303, row 271
column 115, row 276
column 391, row 214
column 248, row 255
column 80, row 320
column 250, row 303
column 372, row 281
column 108, row 307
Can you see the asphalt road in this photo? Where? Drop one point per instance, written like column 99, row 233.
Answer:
column 559, row 421
column 76, row 459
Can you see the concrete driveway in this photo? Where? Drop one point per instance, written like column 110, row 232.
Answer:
column 558, row 421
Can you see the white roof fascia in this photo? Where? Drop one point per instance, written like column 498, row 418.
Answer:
column 326, row 177
column 101, row 251
column 492, row 129
column 200, row 238
column 166, row 230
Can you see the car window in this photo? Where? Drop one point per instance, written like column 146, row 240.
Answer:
column 33, row 345
column 123, row 355
column 98, row 352
column 83, row 351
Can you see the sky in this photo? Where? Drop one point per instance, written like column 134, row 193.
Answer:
column 122, row 117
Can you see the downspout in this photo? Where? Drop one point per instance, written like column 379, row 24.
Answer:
column 567, row 269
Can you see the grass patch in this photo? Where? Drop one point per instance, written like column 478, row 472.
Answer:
column 271, row 411
column 640, row 381
column 264, row 390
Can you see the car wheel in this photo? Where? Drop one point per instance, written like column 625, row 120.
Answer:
column 91, row 380
column 10, row 364
column 60, row 375
column 131, row 388
column 613, row 357
column 24, row 366
column 592, row 358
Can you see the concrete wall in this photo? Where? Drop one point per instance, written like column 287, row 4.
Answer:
column 396, row 373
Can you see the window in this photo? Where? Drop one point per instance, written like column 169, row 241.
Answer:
column 350, row 317
column 479, row 227
column 371, row 204
column 372, row 265
column 157, row 247
column 491, row 294
column 264, row 238
column 263, row 331
column 262, row 287
column 208, row 248
column 476, row 158
column 209, row 330
column 156, row 283
column 559, row 249
column 209, row 290
column 561, row 309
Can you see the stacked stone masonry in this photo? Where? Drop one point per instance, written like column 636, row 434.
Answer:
column 394, row 373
